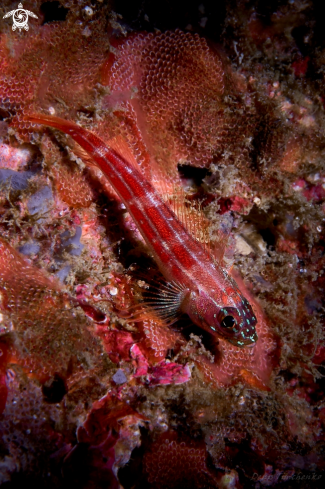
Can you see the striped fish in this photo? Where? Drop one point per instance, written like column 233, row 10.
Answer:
column 196, row 284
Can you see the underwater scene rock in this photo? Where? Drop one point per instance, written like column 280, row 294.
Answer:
column 104, row 382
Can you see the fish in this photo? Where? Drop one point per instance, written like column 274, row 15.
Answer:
column 196, row 284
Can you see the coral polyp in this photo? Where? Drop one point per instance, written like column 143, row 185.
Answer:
column 221, row 109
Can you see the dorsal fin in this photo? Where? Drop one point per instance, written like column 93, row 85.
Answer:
column 218, row 242
column 222, row 242
column 119, row 145
column 190, row 212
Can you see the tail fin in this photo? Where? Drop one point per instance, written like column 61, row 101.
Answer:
column 86, row 139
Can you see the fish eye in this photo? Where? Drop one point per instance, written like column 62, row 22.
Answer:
column 228, row 322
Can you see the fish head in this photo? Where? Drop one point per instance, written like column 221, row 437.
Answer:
column 231, row 318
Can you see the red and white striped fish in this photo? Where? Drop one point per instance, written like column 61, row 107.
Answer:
column 197, row 285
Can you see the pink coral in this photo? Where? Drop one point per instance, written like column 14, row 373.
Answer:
column 181, row 84
column 34, row 78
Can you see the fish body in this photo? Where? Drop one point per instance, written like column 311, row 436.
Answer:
column 199, row 286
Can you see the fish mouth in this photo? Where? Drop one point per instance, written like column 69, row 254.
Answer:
column 245, row 343
column 251, row 340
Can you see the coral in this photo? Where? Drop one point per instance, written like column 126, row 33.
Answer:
column 15, row 157
column 180, row 103
column 158, row 339
column 45, row 323
column 31, row 69
column 70, row 184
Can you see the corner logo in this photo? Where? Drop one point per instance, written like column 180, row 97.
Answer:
column 20, row 18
